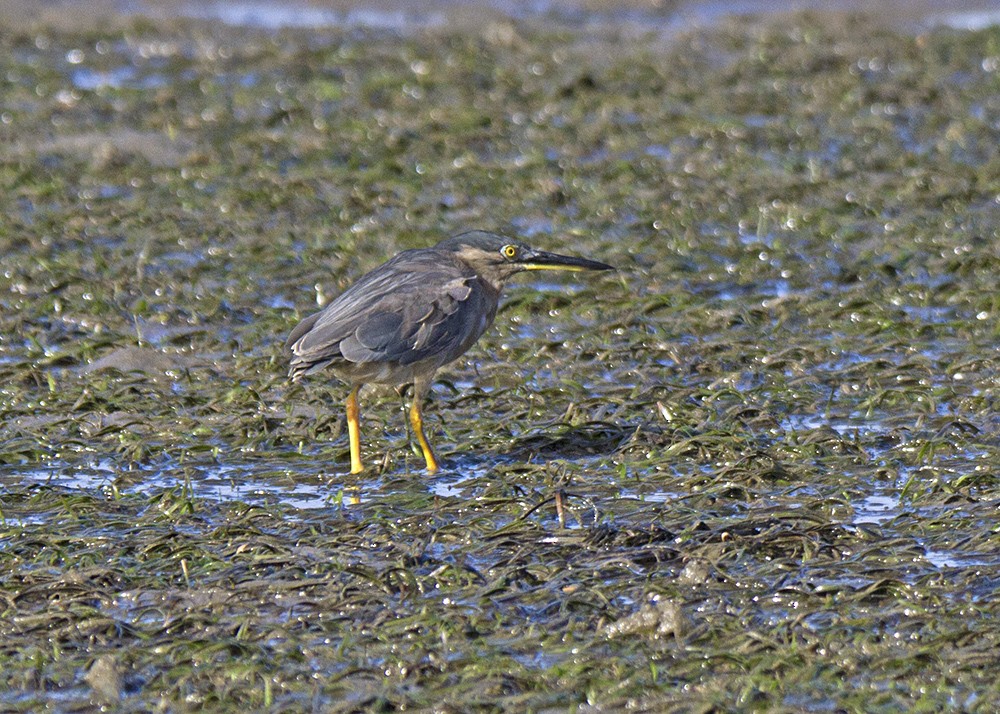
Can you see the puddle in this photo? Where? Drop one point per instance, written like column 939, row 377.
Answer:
column 228, row 483
column 877, row 509
column 652, row 496
column 89, row 79
column 279, row 302
column 453, row 485
column 529, row 226
column 22, row 520
column 766, row 290
column 976, row 20
column 929, row 315
column 401, row 17
column 93, row 477
column 267, row 16
column 659, row 151
column 221, row 483
column 953, row 559
column 224, row 482
column 843, row 426
column 906, row 13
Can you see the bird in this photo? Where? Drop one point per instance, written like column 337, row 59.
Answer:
column 415, row 313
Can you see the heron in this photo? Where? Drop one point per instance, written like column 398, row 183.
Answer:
column 415, row 313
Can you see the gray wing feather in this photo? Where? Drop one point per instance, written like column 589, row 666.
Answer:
column 370, row 339
column 432, row 309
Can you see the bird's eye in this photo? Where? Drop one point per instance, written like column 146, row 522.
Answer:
column 509, row 251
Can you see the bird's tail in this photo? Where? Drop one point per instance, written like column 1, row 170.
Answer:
column 298, row 369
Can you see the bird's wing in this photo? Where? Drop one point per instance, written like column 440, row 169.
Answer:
column 432, row 308
column 416, row 323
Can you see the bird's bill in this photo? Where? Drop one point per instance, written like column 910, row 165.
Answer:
column 540, row 260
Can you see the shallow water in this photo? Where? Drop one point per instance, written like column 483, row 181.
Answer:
column 267, row 16
column 400, row 17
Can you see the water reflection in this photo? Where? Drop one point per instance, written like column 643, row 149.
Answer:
column 401, row 17
column 456, row 484
column 877, row 509
column 268, row 16
column 976, row 20
column 89, row 79
column 219, row 482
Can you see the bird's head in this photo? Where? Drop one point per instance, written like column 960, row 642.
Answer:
column 495, row 258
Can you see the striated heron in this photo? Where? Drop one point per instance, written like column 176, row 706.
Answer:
column 410, row 316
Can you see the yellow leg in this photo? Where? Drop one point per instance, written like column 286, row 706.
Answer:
column 417, row 422
column 354, row 431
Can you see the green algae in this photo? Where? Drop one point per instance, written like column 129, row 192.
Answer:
column 757, row 470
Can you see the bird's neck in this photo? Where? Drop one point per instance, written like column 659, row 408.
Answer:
column 493, row 284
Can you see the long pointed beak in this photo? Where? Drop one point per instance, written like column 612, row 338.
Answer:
column 540, row 260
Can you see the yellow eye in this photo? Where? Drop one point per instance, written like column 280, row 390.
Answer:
column 509, row 251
